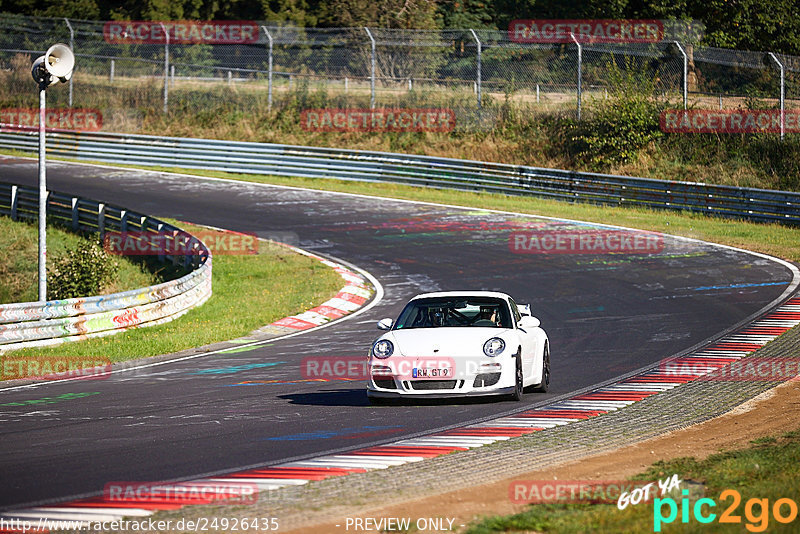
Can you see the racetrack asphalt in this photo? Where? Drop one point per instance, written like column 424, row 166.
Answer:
column 606, row 315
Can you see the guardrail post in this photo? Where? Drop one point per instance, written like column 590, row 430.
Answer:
column 269, row 63
column 14, row 201
column 580, row 68
column 478, row 75
column 160, row 230
column 74, row 213
column 123, row 221
column 187, row 248
column 372, row 71
column 166, row 66
column 101, row 219
column 176, row 246
column 71, row 47
column 774, row 58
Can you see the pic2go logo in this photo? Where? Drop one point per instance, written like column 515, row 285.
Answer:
column 756, row 511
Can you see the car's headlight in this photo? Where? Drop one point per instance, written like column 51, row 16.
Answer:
column 383, row 348
column 494, row 346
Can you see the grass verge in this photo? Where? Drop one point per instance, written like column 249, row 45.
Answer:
column 249, row 291
column 758, row 472
column 19, row 276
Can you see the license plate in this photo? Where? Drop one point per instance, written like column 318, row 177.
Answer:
column 422, row 372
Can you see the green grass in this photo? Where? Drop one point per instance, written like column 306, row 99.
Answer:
column 766, row 470
column 19, row 261
column 249, row 291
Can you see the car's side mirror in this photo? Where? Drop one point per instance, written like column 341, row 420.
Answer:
column 529, row 322
column 524, row 309
column 385, row 324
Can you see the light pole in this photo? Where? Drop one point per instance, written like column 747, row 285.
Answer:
column 56, row 65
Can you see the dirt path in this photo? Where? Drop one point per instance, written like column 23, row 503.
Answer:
column 773, row 412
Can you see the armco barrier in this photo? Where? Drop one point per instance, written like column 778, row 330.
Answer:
column 35, row 324
column 289, row 160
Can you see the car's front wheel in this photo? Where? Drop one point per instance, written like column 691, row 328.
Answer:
column 545, row 383
column 518, row 378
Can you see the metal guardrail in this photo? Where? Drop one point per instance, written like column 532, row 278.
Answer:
column 288, row 160
column 35, row 324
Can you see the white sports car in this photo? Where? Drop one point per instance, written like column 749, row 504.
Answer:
column 459, row 343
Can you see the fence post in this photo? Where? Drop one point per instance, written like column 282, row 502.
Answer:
column 71, row 47
column 166, row 65
column 685, row 74
column 111, row 72
column 580, row 68
column 372, row 71
column 774, row 58
column 478, row 74
column 269, row 75
column 14, row 202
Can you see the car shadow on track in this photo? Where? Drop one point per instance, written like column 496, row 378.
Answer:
column 358, row 397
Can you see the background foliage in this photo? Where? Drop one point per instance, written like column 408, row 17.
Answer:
column 739, row 24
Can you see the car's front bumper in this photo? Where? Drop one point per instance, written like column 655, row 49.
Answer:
column 496, row 379
column 437, row 394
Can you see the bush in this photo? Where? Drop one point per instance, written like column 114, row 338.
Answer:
column 616, row 129
column 81, row 272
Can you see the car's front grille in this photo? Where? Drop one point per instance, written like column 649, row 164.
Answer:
column 433, row 384
column 486, row 379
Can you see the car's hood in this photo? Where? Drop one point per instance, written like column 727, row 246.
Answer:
column 444, row 341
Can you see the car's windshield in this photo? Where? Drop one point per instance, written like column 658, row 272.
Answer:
column 455, row 311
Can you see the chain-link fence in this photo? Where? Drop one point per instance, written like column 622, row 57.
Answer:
column 372, row 67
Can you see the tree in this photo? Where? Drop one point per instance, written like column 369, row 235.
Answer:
column 467, row 14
